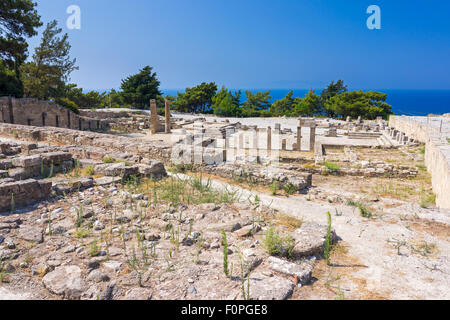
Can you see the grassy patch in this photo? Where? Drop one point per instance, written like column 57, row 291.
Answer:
column 82, row 233
column 290, row 222
column 363, row 209
column 89, row 171
column 427, row 200
column 276, row 245
column 332, row 166
column 108, row 160
column 93, row 249
column 179, row 191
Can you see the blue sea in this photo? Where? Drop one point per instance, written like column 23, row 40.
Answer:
column 404, row 102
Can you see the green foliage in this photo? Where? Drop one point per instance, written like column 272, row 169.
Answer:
column 18, row 20
column 108, row 159
column 284, row 106
column 93, row 249
column 198, row 99
column 90, row 170
column 10, row 84
column 51, row 170
column 331, row 166
column 256, row 101
column 276, row 245
column 363, row 210
column 333, row 89
column 327, row 248
column 225, row 104
column 89, row 100
column 289, row 188
column 427, row 200
column 275, row 186
column 13, row 203
column 309, row 106
column 368, row 105
column 66, row 103
column 225, row 253
column 139, row 89
column 45, row 76
column 82, row 233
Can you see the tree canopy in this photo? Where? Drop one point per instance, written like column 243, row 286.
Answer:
column 284, row 106
column 45, row 76
column 196, row 99
column 308, row 106
column 18, row 20
column 369, row 105
column 256, row 102
column 140, row 88
column 226, row 104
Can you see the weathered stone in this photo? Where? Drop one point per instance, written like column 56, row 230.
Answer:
column 310, row 239
column 247, row 231
column 27, row 161
column 139, row 294
column 252, row 259
column 97, row 276
column 113, row 265
column 273, row 288
column 110, row 292
column 56, row 158
column 104, row 181
column 117, row 170
column 154, row 169
column 22, row 193
column 29, row 233
column 65, row 281
column 303, row 271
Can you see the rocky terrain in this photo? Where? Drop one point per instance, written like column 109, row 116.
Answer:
column 102, row 217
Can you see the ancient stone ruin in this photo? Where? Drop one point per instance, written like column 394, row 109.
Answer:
column 187, row 207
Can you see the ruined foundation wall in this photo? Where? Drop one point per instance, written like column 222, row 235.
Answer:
column 148, row 149
column 437, row 154
column 34, row 112
column 99, row 114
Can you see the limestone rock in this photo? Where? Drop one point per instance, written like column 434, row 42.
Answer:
column 303, row 271
column 65, row 281
column 139, row 294
column 273, row 288
column 310, row 239
column 32, row 234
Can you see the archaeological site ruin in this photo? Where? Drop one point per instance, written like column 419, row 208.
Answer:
column 130, row 204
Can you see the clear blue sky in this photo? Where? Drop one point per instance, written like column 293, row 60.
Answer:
column 259, row 43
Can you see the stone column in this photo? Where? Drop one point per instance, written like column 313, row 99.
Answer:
column 269, row 139
column 299, row 138
column 283, row 144
column 255, row 138
column 167, row 116
column 312, row 138
column 154, row 122
column 277, row 128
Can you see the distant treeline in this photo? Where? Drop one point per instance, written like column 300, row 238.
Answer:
column 334, row 101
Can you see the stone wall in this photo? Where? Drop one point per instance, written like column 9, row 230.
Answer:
column 261, row 174
column 21, row 193
column 437, row 153
column 33, row 112
column 86, row 140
